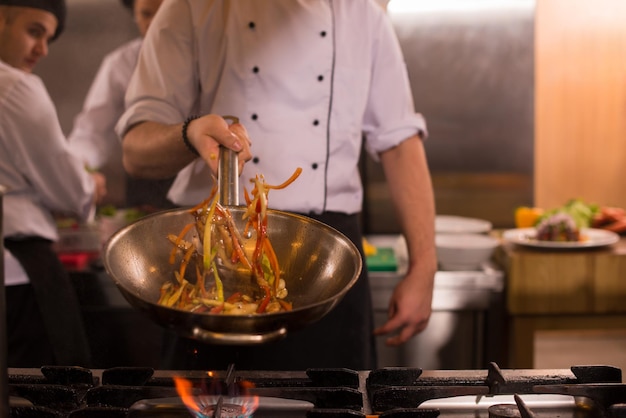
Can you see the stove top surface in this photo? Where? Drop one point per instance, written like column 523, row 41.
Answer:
column 578, row 392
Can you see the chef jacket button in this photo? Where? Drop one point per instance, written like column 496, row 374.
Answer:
column 320, row 78
column 316, row 122
column 255, row 116
column 255, row 160
column 314, row 166
column 255, row 69
column 323, row 33
column 251, row 25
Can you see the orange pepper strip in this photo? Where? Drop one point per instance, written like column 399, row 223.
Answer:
column 201, row 205
column 239, row 253
column 205, row 202
column 288, row 306
column 290, row 180
column 179, row 238
column 271, row 255
column 186, row 258
column 265, row 301
column 200, row 282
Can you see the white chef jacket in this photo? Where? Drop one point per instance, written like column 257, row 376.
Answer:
column 308, row 78
column 93, row 136
column 36, row 166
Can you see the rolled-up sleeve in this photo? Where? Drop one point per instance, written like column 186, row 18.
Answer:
column 390, row 115
column 164, row 84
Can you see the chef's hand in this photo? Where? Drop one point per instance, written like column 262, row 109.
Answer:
column 410, row 307
column 208, row 132
column 100, row 186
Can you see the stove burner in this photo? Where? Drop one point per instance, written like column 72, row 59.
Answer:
column 504, row 410
column 224, row 407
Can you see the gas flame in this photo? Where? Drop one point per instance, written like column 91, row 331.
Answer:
column 202, row 403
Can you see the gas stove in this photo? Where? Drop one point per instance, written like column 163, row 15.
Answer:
column 578, row 392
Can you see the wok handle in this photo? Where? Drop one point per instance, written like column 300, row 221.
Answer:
column 228, row 173
column 238, row 339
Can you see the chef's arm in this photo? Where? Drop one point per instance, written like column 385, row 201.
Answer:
column 154, row 150
column 408, row 177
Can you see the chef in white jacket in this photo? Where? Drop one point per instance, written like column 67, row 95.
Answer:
column 311, row 81
column 42, row 177
column 93, row 136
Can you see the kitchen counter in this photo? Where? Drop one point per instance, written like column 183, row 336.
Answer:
column 585, row 281
column 466, row 326
column 581, row 289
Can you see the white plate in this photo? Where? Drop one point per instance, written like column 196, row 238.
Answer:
column 594, row 238
column 449, row 224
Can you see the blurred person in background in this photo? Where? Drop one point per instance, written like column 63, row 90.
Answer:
column 43, row 178
column 93, row 136
column 309, row 80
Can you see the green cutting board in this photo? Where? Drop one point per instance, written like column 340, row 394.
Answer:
column 383, row 260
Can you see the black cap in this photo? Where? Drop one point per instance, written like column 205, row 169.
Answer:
column 56, row 7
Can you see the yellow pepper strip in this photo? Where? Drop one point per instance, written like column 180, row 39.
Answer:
column 207, row 236
column 213, row 302
column 218, row 284
column 164, row 293
column 174, row 298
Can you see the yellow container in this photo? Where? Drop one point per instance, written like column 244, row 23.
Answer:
column 526, row 217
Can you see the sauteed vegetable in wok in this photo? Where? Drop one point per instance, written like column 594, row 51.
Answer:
column 215, row 245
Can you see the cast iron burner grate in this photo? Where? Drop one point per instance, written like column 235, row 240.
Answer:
column 74, row 392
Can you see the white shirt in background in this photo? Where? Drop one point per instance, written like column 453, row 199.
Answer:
column 93, row 136
column 40, row 173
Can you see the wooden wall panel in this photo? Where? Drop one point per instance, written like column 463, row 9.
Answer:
column 580, row 102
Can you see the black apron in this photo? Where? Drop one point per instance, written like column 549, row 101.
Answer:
column 56, row 298
column 341, row 339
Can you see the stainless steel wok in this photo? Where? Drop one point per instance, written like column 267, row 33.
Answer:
column 318, row 263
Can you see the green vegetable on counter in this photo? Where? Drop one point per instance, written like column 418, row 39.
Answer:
column 130, row 214
column 580, row 211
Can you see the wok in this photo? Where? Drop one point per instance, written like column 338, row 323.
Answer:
column 318, row 263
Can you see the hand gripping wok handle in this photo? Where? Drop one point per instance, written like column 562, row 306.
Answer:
column 238, row 339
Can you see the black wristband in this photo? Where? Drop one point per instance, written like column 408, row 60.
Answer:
column 185, row 138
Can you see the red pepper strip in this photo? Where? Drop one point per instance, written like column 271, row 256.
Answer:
column 200, row 309
column 179, row 238
column 217, row 309
column 234, row 297
column 265, row 301
column 260, row 238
